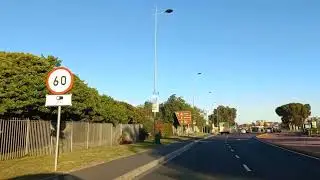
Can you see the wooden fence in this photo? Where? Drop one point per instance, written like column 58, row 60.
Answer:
column 20, row 138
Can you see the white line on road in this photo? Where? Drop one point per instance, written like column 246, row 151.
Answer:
column 237, row 156
column 232, row 150
column 270, row 144
column 246, row 167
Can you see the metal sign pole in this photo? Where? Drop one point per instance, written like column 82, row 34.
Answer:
column 57, row 139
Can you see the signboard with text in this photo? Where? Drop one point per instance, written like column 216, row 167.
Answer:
column 184, row 117
column 155, row 104
column 58, row 100
column 59, row 82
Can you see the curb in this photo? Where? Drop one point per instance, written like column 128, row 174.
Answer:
column 302, row 153
column 142, row 169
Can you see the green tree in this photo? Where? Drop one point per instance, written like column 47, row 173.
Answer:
column 293, row 114
column 223, row 114
column 23, row 90
column 22, row 87
column 174, row 104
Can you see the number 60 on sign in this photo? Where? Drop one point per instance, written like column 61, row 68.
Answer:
column 59, row 81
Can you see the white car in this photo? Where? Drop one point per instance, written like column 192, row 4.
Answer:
column 243, row 131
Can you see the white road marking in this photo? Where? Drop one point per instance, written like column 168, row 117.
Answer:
column 232, row 150
column 305, row 155
column 237, row 156
column 246, row 167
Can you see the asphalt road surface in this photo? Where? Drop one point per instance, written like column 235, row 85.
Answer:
column 236, row 157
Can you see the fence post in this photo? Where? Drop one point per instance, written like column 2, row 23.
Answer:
column 51, row 144
column 88, row 134
column 111, row 135
column 27, row 137
column 71, row 136
column 100, row 138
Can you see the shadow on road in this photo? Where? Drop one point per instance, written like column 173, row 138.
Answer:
column 48, row 176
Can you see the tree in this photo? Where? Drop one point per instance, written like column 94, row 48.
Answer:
column 293, row 114
column 23, row 90
column 223, row 114
column 174, row 104
column 22, row 87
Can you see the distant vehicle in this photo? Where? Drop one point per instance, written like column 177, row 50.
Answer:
column 243, row 131
column 224, row 128
column 268, row 130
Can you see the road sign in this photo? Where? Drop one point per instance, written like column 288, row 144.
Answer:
column 155, row 104
column 59, row 80
column 184, row 117
column 58, row 100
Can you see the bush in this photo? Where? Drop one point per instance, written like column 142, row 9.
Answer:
column 167, row 130
column 148, row 125
column 126, row 138
column 143, row 134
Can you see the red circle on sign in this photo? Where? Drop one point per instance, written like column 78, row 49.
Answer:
column 65, row 91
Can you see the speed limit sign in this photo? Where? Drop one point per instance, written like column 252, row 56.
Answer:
column 59, row 81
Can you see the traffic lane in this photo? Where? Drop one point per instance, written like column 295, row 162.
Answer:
column 268, row 162
column 208, row 159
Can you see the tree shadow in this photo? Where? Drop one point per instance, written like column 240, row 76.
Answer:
column 48, row 176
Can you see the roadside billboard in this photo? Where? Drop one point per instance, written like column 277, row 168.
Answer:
column 184, row 117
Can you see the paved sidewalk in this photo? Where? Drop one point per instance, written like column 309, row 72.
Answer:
column 116, row 168
column 303, row 144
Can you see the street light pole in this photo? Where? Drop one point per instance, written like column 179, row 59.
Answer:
column 155, row 92
column 217, row 114
column 155, row 51
column 193, row 98
column 211, row 106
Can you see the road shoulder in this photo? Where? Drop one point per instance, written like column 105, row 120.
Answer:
column 291, row 149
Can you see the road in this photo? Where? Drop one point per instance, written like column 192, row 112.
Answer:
column 236, row 157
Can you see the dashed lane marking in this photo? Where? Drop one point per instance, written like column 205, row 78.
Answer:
column 246, row 167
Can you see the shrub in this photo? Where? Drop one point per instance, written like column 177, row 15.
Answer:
column 143, row 134
column 167, row 130
column 126, row 138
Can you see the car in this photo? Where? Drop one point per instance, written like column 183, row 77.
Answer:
column 269, row 130
column 243, row 131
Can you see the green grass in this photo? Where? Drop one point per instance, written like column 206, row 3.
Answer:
column 75, row 160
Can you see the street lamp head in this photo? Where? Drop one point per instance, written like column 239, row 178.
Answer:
column 168, row 11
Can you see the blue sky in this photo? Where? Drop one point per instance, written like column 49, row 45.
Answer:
column 254, row 55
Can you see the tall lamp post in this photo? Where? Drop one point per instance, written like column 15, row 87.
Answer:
column 193, row 98
column 217, row 115
column 210, row 92
column 155, row 107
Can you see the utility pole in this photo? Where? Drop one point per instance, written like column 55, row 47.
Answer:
column 155, row 107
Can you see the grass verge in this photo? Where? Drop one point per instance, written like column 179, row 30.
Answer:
column 75, row 160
